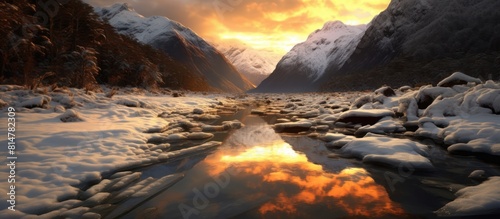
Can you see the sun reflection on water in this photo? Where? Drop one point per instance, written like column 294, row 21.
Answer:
column 351, row 190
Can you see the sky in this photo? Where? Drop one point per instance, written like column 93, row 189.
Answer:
column 262, row 24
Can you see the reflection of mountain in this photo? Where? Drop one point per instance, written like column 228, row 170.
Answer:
column 250, row 136
column 256, row 65
column 179, row 42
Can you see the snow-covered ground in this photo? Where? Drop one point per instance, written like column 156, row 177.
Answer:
column 67, row 140
column 100, row 135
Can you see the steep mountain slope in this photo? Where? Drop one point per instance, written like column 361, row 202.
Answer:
column 78, row 49
column 254, row 64
column 302, row 69
column 179, row 42
column 419, row 41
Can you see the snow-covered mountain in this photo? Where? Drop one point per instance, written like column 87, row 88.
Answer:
column 419, row 41
column 179, row 42
column 411, row 42
column 304, row 66
column 255, row 64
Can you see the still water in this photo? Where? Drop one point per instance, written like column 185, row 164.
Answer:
column 257, row 173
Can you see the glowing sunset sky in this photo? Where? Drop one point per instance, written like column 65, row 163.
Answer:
column 262, row 24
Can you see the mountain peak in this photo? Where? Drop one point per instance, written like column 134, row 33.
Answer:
column 331, row 25
column 180, row 43
column 122, row 7
column 112, row 11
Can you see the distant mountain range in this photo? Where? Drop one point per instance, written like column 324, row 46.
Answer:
column 303, row 68
column 411, row 42
column 180, row 43
column 254, row 64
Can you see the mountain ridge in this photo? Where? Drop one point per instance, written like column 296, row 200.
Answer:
column 302, row 68
column 419, row 41
column 255, row 64
column 179, row 42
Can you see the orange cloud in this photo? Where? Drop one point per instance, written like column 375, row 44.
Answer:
column 276, row 25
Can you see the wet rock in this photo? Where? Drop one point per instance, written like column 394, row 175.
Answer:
column 213, row 128
column 290, row 105
column 282, row 120
column 258, row 112
column 199, row 136
column 411, row 126
column 338, row 144
column 285, row 111
column 478, row 175
column 206, row 117
column 198, row 111
column 334, row 155
column 235, row 124
column 332, row 137
column 364, row 116
column 293, row 127
column 386, row 91
column 320, row 128
column 310, row 114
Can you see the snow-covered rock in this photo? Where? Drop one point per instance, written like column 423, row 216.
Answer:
column 458, row 78
column 71, row 115
column 385, row 126
column 388, row 151
column 482, row 199
column 40, row 101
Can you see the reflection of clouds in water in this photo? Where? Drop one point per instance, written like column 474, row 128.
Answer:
column 352, row 189
column 266, row 156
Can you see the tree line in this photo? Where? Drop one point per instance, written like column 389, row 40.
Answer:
column 75, row 48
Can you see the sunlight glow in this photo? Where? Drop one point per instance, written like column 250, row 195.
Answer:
column 277, row 162
column 280, row 26
column 278, row 43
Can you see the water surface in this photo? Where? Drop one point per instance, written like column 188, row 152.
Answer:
column 257, row 174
